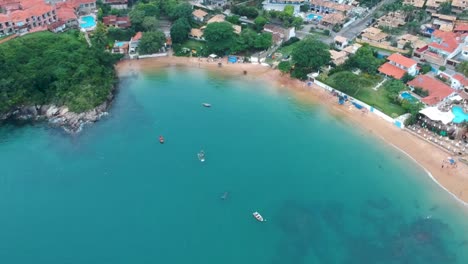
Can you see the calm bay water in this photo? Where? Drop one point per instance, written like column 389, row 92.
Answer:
column 113, row 194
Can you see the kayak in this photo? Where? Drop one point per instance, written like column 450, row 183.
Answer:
column 201, row 156
column 161, row 139
column 259, row 217
column 206, row 105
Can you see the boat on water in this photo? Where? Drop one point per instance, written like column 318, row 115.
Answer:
column 259, row 217
column 161, row 139
column 206, row 105
column 201, row 156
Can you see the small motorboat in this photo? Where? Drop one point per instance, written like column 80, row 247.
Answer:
column 224, row 196
column 161, row 139
column 206, row 105
column 201, row 156
column 259, row 217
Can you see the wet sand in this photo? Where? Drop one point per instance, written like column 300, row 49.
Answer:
column 430, row 157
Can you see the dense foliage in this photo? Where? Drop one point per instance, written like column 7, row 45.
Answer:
column 220, row 37
column 151, row 42
column 46, row 68
column 309, row 55
column 463, row 68
column 242, row 10
column 180, row 30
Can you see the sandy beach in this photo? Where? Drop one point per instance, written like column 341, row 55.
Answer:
column 430, row 157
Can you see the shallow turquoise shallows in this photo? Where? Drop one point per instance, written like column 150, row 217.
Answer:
column 113, row 194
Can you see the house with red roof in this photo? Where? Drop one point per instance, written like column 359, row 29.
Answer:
column 443, row 46
column 459, row 81
column 437, row 90
column 115, row 21
column 398, row 65
column 134, row 41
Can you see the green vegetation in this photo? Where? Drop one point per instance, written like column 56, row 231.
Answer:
column 284, row 67
column 186, row 48
column 242, row 10
column 420, row 91
column 151, row 42
column 425, row 68
column 463, row 68
column 445, row 8
column 47, row 68
column 180, row 30
column 286, row 17
column 309, row 55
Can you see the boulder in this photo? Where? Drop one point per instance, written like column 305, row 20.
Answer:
column 52, row 111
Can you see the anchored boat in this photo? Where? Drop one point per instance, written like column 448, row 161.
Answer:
column 206, row 105
column 201, row 156
column 259, row 217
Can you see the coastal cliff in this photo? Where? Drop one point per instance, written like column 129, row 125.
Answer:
column 60, row 116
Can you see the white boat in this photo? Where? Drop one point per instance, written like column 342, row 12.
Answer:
column 201, row 156
column 259, row 217
column 206, row 105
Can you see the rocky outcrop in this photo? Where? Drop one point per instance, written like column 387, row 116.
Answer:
column 60, row 116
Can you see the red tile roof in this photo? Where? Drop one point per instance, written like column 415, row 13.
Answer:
column 449, row 41
column 461, row 79
column 461, row 27
column 66, row 13
column 438, row 90
column 137, row 36
column 392, row 70
column 402, row 60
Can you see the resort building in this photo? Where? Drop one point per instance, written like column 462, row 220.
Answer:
column 443, row 22
column 199, row 15
column 459, row 6
column 340, row 42
column 373, row 34
column 279, row 5
column 134, row 42
column 115, row 21
column 433, row 5
column 413, row 40
column 84, row 7
column 437, row 90
column 23, row 16
column 392, row 19
column 338, row 57
column 117, row 4
column 328, row 7
column 415, row 3
column 398, row 65
column 461, row 28
column 280, row 34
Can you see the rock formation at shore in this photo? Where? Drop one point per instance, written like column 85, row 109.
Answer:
column 59, row 116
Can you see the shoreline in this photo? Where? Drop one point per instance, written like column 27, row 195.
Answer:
column 424, row 154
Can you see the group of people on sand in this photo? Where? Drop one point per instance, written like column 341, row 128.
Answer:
column 449, row 163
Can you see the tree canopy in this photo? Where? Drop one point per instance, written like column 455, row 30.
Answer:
column 151, row 42
column 220, row 37
column 180, row 30
column 150, row 23
column 45, row 68
column 463, row 68
column 309, row 55
column 365, row 60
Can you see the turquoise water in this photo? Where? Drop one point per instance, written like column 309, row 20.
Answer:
column 120, row 43
column 89, row 22
column 312, row 16
column 460, row 115
column 408, row 96
column 113, row 194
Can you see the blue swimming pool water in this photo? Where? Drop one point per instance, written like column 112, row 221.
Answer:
column 119, row 44
column 408, row 96
column 88, row 22
column 460, row 115
column 314, row 16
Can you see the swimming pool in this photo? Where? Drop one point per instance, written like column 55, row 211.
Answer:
column 119, row 43
column 407, row 96
column 87, row 22
column 460, row 115
column 312, row 16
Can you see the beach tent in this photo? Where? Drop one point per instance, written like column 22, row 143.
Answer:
column 436, row 115
column 213, row 56
column 232, row 59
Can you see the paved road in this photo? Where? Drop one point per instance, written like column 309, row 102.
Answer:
column 359, row 25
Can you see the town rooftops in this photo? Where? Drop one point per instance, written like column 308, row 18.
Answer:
column 340, row 39
column 66, row 13
column 352, row 48
column 196, row 32
column 437, row 90
column 461, row 27
column 216, row 18
column 415, row 3
column 392, row 70
column 137, row 36
column 402, row 60
column 199, row 13
column 445, row 17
